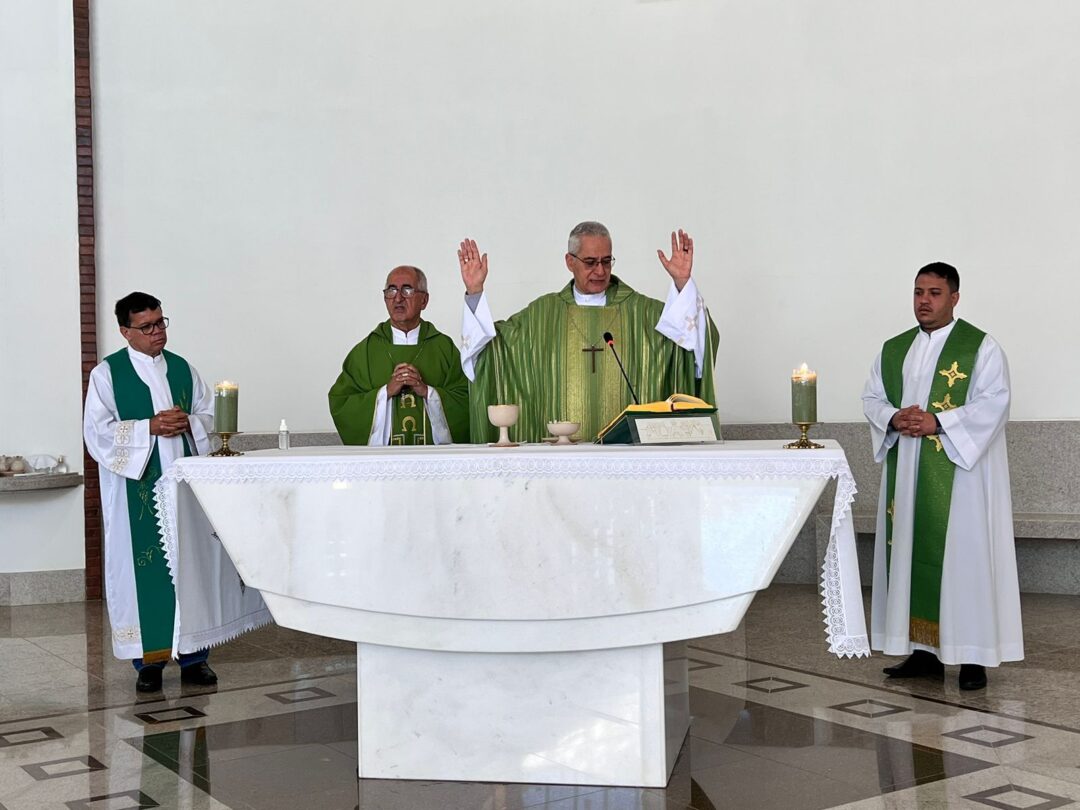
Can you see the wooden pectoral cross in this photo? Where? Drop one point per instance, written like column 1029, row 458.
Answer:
column 593, row 350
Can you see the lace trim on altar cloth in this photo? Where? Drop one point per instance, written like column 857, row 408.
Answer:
column 165, row 504
column 384, row 469
column 838, row 605
column 191, row 642
column 832, row 599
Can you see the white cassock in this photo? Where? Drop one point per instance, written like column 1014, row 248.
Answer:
column 980, row 593
column 382, row 421
column 122, row 450
column 684, row 321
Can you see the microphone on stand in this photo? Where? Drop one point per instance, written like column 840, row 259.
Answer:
column 610, row 341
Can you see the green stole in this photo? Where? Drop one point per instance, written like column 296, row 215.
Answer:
column 409, row 423
column 933, row 491
column 551, row 360
column 153, row 585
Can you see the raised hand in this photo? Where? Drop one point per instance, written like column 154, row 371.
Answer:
column 474, row 267
column 681, row 262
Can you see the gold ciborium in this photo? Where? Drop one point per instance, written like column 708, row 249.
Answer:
column 225, row 450
column 804, row 443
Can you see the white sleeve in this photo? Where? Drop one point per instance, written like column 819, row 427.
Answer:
column 685, row 321
column 879, row 413
column 381, row 420
column 969, row 429
column 440, row 431
column 122, row 447
column 201, row 418
column 477, row 330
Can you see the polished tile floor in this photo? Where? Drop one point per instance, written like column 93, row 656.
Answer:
column 778, row 723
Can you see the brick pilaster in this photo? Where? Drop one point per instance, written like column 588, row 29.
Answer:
column 84, row 158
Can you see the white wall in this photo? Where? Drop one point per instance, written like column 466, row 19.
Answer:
column 261, row 165
column 40, row 393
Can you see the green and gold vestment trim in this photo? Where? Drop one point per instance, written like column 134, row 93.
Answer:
column 410, row 421
column 933, row 490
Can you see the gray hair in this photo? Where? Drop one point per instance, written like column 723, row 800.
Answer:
column 421, row 279
column 573, row 244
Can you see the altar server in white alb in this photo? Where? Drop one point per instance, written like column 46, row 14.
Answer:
column 945, row 583
column 145, row 408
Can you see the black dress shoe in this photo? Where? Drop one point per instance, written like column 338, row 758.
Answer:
column 199, row 674
column 972, row 676
column 149, row 680
column 916, row 665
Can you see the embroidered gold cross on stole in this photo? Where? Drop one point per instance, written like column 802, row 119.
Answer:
column 946, row 403
column 953, row 373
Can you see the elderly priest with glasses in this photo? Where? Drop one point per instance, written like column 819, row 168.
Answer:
column 145, row 408
column 403, row 383
column 550, row 358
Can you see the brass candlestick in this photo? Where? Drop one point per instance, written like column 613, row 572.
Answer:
column 225, row 450
column 804, row 443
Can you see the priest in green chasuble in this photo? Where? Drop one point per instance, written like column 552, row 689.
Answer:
column 551, row 358
column 402, row 384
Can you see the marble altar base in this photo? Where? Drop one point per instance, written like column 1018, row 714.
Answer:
column 600, row 717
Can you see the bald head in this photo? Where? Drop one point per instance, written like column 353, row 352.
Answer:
column 417, row 280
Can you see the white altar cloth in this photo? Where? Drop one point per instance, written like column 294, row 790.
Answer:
column 539, row 587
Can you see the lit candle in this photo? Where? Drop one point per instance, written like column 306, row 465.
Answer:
column 226, row 394
column 803, row 395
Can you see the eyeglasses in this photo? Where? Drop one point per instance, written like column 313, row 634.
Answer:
column 150, row 328
column 406, row 291
column 606, row 261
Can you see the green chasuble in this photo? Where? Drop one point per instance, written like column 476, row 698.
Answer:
column 153, row 583
column 551, row 360
column 933, row 488
column 368, row 367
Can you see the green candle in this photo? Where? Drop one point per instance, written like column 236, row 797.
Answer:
column 803, row 396
column 226, row 394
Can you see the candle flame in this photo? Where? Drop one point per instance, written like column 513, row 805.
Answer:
column 226, row 385
column 803, row 373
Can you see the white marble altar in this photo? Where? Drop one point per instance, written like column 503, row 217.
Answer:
column 517, row 612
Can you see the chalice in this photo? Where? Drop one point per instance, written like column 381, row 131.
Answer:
column 502, row 417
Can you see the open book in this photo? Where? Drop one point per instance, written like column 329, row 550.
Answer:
column 676, row 402
column 683, row 404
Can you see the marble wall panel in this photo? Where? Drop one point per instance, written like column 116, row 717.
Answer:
column 1044, row 462
column 42, row 587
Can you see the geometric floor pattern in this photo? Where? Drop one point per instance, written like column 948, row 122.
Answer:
column 777, row 723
